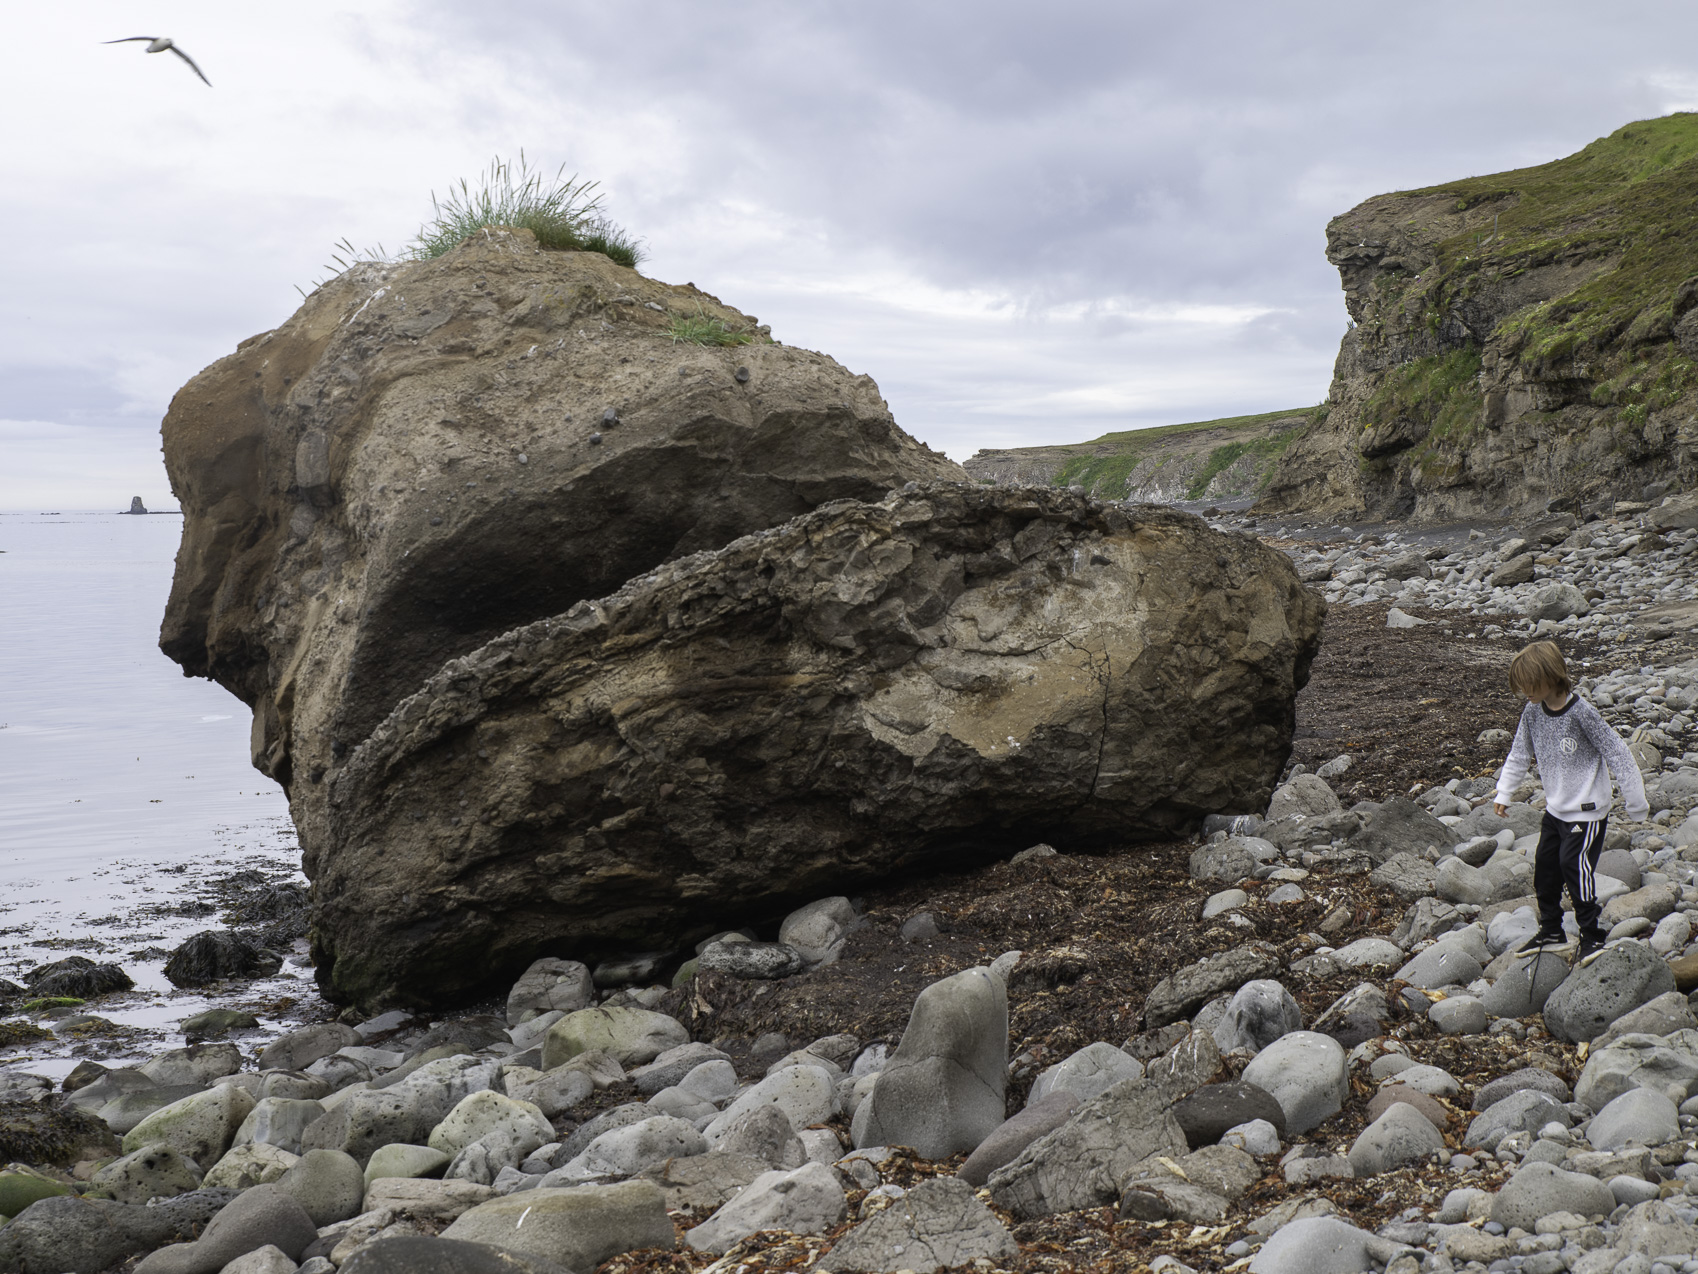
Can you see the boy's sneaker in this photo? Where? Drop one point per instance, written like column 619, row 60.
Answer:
column 1591, row 947
column 1549, row 938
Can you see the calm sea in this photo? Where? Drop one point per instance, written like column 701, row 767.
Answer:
column 122, row 782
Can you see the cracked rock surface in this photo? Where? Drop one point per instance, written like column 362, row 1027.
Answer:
column 866, row 688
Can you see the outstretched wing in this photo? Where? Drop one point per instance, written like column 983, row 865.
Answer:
column 192, row 65
column 131, row 39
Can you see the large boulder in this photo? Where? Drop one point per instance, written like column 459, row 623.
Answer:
column 977, row 663
column 1623, row 977
column 449, row 448
column 943, row 1089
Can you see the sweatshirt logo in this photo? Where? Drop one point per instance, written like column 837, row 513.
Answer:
column 1569, row 746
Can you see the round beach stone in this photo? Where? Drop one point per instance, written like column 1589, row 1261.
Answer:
column 1228, row 861
column 480, row 1114
column 1402, row 1134
column 327, row 1183
column 1637, row 1061
column 1392, row 1094
column 278, row 1121
column 1226, row 900
column 1320, row 1245
column 577, row 1227
column 254, row 1164
column 155, row 1171
column 805, row 1094
column 1640, row 1115
column 628, row 1035
column 1092, row 1070
column 759, row 961
column 1434, row 1081
column 549, row 985
column 200, row 1127
column 624, row 1152
column 1306, row 1074
column 1528, row 1077
column 816, row 932
column 1458, row 1015
column 1367, row 953
column 401, row 1160
column 1539, row 1189
column 1258, row 1137
column 1440, row 965
column 1524, row 987
column 1526, row 1111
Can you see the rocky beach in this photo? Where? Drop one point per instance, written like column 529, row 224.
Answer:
column 736, row 838
column 1180, row 1050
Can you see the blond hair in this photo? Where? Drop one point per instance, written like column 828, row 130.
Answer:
column 1539, row 667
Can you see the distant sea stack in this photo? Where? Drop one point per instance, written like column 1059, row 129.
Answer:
column 136, row 505
column 1518, row 340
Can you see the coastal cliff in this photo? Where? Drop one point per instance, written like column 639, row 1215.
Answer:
column 1203, row 460
column 1516, row 339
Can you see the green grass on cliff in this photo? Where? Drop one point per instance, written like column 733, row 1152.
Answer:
column 1110, row 475
column 562, row 213
column 1443, row 390
column 699, row 329
column 1629, row 201
column 1224, row 457
column 1225, row 422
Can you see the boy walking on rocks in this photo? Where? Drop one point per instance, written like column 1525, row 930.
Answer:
column 1577, row 751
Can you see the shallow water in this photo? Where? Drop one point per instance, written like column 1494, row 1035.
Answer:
column 123, row 784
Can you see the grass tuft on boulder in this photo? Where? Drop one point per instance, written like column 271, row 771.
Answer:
column 563, row 213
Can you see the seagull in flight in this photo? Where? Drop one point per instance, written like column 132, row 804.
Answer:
column 158, row 44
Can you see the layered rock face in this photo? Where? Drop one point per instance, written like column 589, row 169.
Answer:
column 869, row 687
column 429, row 454
column 1515, row 339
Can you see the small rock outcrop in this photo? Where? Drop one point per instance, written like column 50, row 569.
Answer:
column 866, row 688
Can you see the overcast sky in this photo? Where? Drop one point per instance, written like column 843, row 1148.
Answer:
column 1030, row 223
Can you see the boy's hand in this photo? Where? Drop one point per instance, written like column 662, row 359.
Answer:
column 1499, row 808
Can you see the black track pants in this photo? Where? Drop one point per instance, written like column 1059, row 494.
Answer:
column 1568, row 855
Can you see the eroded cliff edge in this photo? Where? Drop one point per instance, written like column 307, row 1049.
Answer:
column 1516, row 339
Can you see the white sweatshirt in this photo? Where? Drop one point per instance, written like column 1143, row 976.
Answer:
column 1577, row 751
